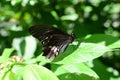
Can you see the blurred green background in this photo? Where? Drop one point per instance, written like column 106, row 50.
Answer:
column 82, row 17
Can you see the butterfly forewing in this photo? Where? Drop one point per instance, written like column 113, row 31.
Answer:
column 51, row 39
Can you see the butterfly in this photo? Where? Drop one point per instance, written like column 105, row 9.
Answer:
column 52, row 39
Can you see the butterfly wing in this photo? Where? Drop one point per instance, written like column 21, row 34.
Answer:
column 56, row 44
column 51, row 38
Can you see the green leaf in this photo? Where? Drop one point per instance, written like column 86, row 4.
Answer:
column 30, row 47
column 71, row 17
column 11, row 72
column 107, row 40
column 8, row 76
column 74, row 72
column 85, row 52
column 12, row 76
column 25, row 46
column 7, row 52
column 35, row 72
column 18, row 71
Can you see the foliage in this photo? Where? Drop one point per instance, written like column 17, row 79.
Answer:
column 94, row 54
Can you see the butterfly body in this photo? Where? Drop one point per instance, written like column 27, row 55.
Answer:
column 52, row 39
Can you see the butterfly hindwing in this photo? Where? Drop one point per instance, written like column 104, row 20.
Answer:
column 52, row 39
column 54, row 50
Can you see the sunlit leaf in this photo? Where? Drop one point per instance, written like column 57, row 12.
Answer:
column 7, row 52
column 85, row 52
column 74, row 72
column 35, row 72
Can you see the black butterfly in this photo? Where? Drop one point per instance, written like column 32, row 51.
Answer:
column 52, row 39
